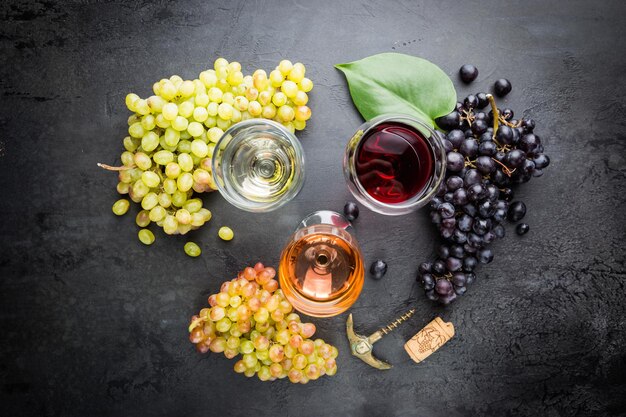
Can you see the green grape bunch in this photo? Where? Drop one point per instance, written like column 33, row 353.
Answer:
column 172, row 136
column 251, row 317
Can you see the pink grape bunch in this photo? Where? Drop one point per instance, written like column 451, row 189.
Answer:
column 251, row 317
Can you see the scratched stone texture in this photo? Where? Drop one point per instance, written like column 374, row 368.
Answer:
column 92, row 323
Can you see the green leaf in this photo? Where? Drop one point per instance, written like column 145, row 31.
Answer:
column 398, row 83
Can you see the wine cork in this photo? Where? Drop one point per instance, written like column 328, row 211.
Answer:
column 429, row 339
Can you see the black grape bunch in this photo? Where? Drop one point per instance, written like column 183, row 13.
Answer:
column 488, row 153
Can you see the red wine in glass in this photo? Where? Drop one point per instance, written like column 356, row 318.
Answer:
column 394, row 162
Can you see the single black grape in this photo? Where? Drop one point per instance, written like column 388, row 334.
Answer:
column 480, row 116
column 465, row 222
column 482, row 100
column 460, row 197
column 458, row 279
column 504, row 135
column 456, row 137
column 527, row 168
column 476, row 192
column 517, row 211
column 485, row 165
column 502, row 87
column 493, row 193
column 447, row 299
column 457, row 251
column 443, row 286
column 448, row 223
column 449, row 121
column 499, row 231
column 439, row 267
column 459, row 236
column 453, row 264
column 351, row 210
column 515, row 158
column 529, row 143
column 427, row 281
column 541, row 161
column 485, row 255
column 470, row 102
column 487, row 148
column 470, row 209
column 454, row 183
column 489, row 237
column 528, row 125
column 378, row 269
column 469, row 263
column 446, row 210
column 507, row 114
column 443, row 251
column 481, row 226
column 486, row 209
column 479, row 127
column 472, row 176
column 468, row 73
column 522, row 229
column 425, row 267
column 469, row 148
column 455, row 161
column 499, row 215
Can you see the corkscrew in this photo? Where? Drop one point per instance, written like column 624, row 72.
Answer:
column 361, row 346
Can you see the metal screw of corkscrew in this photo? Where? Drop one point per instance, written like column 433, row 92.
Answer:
column 361, row 346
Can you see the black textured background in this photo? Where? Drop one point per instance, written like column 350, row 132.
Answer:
column 92, row 323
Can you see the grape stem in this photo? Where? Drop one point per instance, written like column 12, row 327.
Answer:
column 496, row 117
column 112, row 168
column 505, row 168
column 468, row 115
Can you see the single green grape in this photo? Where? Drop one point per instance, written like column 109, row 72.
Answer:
column 200, row 114
column 120, row 207
column 185, row 161
column 225, row 111
column 185, row 109
column 306, row 85
column 143, row 218
column 199, row 148
column 226, row 233
column 279, row 99
column 149, row 201
column 131, row 144
column 195, row 129
column 170, row 224
column 148, row 122
column 146, row 236
column 194, row 250
column 150, row 179
column 163, row 157
column 286, row 113
column 136, row 130
column 150, row 141
column 289, row 88
column 180, row 123
column 184, row 181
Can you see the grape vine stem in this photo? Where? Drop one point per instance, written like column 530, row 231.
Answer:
column 112, row 168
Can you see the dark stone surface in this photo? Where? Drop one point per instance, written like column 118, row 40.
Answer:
column 94, row 324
